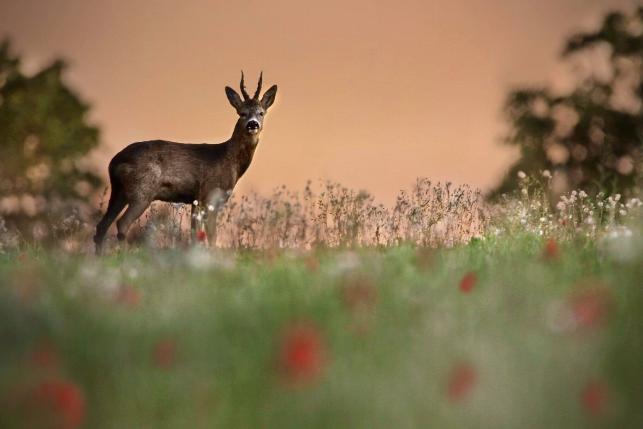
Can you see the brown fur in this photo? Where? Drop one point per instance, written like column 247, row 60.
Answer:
column 160, row 170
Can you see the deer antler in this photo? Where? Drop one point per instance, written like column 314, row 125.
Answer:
column 256, row 96
column 243, row 88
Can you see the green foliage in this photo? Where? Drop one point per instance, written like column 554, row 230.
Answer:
column 43, row 134
column 194, row 339
column 590, row 138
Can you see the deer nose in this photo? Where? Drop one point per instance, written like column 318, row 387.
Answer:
column 252, row 125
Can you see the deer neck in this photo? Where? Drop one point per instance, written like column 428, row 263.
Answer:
column 242, row 147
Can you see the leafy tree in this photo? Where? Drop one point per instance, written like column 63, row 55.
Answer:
column 43, row 135
column 591, row 137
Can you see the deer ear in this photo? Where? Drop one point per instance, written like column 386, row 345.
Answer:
column 233, row 97
column 269, row 97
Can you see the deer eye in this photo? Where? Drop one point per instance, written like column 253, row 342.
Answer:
column 260, row 113
column 243, row 115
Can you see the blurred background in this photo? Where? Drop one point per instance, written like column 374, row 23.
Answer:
column 371, row 94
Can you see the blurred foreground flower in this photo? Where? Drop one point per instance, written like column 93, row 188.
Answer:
column 54, row 403
column 302, row 354
column 468, row 282
column 461, row 381
column 128, row 296
column 594, row 398
column 551, row 251
column 201, row 236
column 590, row 306
column 164, row 353
column 587, row 306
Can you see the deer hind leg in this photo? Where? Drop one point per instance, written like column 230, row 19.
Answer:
column 117, row 203
column 133, row 212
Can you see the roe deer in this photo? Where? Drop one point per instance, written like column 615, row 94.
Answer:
column 181, row 173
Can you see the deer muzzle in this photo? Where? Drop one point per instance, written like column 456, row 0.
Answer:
column 253, row 126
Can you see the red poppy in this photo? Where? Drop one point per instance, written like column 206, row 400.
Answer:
column 590, row 306
column 594, row 398
column 468, row 282
column 129, row 296
column 164, row 353
column 302, row 356
column 461, row 381
column 551, row 250
column 60, row 403
column 201, row 236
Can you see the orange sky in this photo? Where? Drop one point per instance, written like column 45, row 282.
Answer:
column 371, row 93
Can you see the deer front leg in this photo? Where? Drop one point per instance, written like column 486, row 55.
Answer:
column 193, row 222
column 216, row 200
column 134, row 210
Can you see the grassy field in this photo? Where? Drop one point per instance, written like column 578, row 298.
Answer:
column 507, row 331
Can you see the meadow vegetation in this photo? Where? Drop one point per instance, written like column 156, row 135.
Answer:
column 326, row 309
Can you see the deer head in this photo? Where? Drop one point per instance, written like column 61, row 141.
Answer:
column 251, row 110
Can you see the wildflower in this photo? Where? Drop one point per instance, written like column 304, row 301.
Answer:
column 201, row 236
column 521, row 175
column 468, row 282
column 461, row 381
column 210, row 208
column 164, row 353
column 195, row 202
column 302, row 355
column 593, row 397
column 582, row 194
column 617, row 197
column 546, row 174
column 59, row 403
column 524, row 191
column 127, row 295
column 622, row 212
column 551, row 250
column 560, row 206
column 590, row 306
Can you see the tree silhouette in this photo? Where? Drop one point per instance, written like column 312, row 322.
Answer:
column 591, row 137
column 43, row 134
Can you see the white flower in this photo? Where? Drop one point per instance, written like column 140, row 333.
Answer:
column 547, row 174
column 195, row 202
column 560, row 206
column 622, row 212
column 543, row 219
column 582, row 194
column 524, row 191
column 617, row 197
column 199, row 217
column 521, row 174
